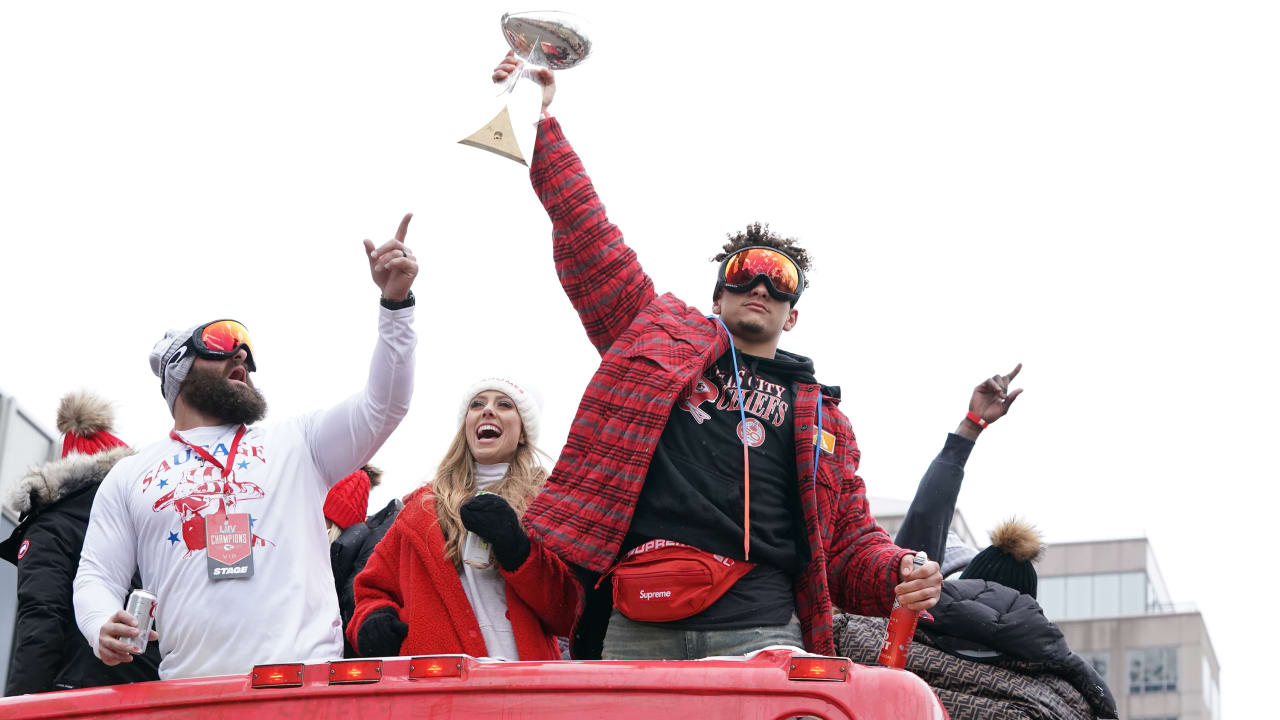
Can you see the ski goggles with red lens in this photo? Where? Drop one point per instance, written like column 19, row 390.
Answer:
column 744, row 268
column 222, row 339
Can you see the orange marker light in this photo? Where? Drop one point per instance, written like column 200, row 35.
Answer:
column 434, row 666
column 818, row 668
column 351, row 672
column 276, row 676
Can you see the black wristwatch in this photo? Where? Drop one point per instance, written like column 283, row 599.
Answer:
column 408, row 301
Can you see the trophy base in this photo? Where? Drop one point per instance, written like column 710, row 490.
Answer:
column 497, row 137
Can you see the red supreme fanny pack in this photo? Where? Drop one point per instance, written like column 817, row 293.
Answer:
column 663, row 580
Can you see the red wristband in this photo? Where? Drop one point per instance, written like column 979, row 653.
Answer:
column 977, row 420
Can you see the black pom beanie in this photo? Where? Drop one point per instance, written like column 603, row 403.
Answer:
column 1015, row 546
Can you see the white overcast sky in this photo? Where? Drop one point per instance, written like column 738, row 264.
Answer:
column 1089, row 188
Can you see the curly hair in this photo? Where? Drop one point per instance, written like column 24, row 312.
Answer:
column 758, row 234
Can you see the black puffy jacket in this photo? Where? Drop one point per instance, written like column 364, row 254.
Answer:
column 989, row 623
column 49, row 653
column 348, row 555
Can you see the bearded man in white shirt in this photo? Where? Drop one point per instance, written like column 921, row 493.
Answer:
column 223, row 518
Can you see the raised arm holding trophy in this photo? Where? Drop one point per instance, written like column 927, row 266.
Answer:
column 700, row 443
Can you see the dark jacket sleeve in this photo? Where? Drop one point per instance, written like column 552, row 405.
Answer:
column 45, row 614
column 928, row 519
column 342, row 557
column 378, row 525
column 355, row 552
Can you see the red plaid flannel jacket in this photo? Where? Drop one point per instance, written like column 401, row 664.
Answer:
column 653, row 349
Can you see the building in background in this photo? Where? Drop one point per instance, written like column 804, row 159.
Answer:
column 1113, row 607
column 1112, row 604
column 23, row 443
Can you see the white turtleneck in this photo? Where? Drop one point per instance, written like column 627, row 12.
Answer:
column 485, row 588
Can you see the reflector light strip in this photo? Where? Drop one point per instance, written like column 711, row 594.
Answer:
column 437, row 666
column 352, row 672
column 819, row 668
column 276, row 676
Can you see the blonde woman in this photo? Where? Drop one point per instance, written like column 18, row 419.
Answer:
column 429, row 589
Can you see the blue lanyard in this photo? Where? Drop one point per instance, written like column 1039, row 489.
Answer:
column 817, row 446
column 746, row 465
column 746, row 447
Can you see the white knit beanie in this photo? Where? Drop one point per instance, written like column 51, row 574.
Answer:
column 171, row 360
column 528, row 406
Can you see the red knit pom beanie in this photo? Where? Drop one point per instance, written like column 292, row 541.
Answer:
column 348, row 500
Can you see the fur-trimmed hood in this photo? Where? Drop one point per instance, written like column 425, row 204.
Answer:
column 47, row 484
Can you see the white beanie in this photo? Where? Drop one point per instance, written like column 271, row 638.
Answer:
column 528, row 406
column 171, row 360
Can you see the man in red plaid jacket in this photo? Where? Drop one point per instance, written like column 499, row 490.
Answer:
column 682, row 410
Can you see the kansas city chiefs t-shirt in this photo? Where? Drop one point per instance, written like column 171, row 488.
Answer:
column 693, row 492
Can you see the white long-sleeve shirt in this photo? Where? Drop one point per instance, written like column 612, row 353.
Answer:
column 149, row 513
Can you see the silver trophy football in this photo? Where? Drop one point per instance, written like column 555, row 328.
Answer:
column 547, row 39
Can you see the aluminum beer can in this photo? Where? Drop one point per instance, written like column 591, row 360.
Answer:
column 142, row 606
column 476, row 552
column 902, row 627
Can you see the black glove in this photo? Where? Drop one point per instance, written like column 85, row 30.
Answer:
column 381, row 633
column 490, row 517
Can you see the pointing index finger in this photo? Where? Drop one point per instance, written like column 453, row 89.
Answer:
column 404, row 227
column 1011, row 375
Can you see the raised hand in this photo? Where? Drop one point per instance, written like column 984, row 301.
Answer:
column 543, row 76
column 991, row 400
column 392, row 266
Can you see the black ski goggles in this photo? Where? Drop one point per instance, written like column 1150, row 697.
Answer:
column 782, row 277
column 221, row 339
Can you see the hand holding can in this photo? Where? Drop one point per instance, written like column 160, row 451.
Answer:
column 118, row 637
column 142, row 608
column 475, row 551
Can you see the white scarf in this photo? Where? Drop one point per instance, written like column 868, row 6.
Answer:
column 485, row 588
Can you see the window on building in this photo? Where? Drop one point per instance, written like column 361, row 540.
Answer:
column 1073, row 597
column 1052, row 595
column 1079, row 596
column 1106, row 595
column 1100, row 660
column 1153, row 670
column 1133, row 593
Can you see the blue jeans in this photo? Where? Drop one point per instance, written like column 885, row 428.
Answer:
column 630, row 640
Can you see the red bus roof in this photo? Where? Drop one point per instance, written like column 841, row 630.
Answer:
column 769, row 684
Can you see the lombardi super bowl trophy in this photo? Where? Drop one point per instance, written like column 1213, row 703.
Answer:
column 541, row 40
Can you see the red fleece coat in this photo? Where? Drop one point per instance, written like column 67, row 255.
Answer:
column 408, row 571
